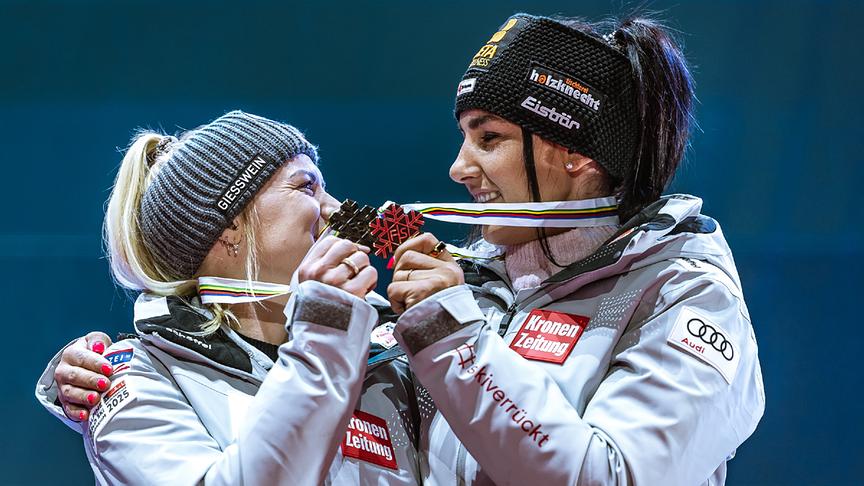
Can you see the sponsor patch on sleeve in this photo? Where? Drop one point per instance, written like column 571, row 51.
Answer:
column 383, row 335
column 548, row 335
column 120, row 356
column 120, row 359
column 706, row 340
column 115, row 399
column 368, row 439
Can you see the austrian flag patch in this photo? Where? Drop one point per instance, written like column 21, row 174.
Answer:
column 548, row 335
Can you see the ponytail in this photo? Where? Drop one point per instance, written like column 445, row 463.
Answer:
column 132, row 264
column 664, row 100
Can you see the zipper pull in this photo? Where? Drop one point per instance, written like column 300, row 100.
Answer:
column 505, row 321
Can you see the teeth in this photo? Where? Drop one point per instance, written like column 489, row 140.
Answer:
column 482, row 198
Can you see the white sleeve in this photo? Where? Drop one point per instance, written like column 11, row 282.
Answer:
column 660, row 416
column 294, row 423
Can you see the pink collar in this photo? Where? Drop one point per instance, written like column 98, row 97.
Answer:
column 527, row 267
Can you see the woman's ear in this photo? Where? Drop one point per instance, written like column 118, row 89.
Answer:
column 233, row 233
column 577, row 164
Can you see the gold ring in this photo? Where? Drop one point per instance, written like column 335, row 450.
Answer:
column 353, row 266
column 440, row 247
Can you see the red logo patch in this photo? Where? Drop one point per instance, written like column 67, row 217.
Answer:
column 368, row 439
column 548, row 336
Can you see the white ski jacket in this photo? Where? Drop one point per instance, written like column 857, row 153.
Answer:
column 635, row 366
column 189, row 409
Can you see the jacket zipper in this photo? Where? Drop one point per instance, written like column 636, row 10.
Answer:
column 461, row 458
column 508, row 317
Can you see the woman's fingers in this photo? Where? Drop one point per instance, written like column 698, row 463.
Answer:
column 317, row 264
column 78, row 389
column 403, row 295
column 97, row 341
column 74, row 395
column 76, row 413
column 81, row 356
column 362, row 283
column 347, row 268
column 320, row 247
column 413, row 274
column 413, row 260
column 417, row 275
column 422, row 243
column 341, row 264
column 83, row 374
column 79, row 378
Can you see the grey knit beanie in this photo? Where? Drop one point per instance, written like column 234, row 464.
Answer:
column 208, row 178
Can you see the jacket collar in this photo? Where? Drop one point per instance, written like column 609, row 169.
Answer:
column 179, row 323
column 671, row 227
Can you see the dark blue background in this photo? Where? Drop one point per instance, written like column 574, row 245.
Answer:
column 778, row 162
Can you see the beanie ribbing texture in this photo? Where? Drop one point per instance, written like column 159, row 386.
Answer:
column 188, row 204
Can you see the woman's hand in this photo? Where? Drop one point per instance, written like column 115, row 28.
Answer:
column 82, row 375
column 417, row 274
column 341, row 264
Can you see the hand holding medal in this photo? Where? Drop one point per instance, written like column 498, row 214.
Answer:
column 383, row 229
column 422, row 264
column 340, row 263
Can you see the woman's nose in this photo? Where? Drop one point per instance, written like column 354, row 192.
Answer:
column 463, row 168
column 329, row 205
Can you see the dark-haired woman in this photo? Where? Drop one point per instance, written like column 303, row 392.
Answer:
column 603, row 354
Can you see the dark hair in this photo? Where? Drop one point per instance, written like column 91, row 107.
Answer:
column 664, row 100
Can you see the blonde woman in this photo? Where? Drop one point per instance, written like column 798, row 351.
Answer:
column 206, row 393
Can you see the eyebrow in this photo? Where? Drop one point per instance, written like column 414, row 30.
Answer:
column 476, row 122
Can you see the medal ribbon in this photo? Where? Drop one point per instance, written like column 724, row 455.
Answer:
column 220, row 290
column 555, row 214
column 464, row 253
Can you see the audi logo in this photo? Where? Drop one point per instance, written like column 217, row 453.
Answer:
column 708, row 334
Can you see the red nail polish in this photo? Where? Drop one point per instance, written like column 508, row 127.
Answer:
column 82, row 415
column 99, row 347
column 91, row 398
column 102, row 384
column 391, row 263
column 107, row 370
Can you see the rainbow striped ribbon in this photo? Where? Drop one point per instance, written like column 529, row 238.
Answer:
column 555, row 214
column 220, row 290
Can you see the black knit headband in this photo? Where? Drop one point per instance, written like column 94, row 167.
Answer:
column 564, row 85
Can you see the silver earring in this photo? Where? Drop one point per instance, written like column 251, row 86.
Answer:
column 233, row 249
column 568, row 166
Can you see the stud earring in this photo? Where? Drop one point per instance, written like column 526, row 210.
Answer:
column 568, row 166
